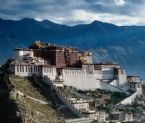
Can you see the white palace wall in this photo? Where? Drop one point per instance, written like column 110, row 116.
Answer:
column 20, row 54
column 107, row 73
column 50, row 72
column 29, row 70
column 80, row 79
column 98, row 74
column 122, row 77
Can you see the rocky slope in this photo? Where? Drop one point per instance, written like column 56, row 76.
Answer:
column 25, row 103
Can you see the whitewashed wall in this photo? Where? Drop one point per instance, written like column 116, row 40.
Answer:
column 79, row 79
column 98, row 74
column 122, row 77
column 86, row 78
column 27, row 70
column 139, row 91
column 22, row 70
column 105, row 86
column 19, row 54
column 107, row 73
column 83, row 105
column 114, row 83
column 50, row 72
column 130, row 99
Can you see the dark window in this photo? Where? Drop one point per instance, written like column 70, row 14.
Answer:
column 20, row 68
column 17, row 68
column 26, row 68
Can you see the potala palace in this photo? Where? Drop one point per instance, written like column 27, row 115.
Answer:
column 72, row 67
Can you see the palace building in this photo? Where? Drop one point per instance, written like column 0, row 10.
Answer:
column 72, row 67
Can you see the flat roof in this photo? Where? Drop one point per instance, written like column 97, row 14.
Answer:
column 23, row 49
column 30, row 64
column 133, row 76
column 107, row 63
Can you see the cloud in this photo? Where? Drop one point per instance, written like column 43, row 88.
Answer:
column 82, row 16
column 120, row 12
column 120, row 2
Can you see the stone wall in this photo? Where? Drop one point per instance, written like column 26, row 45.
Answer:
column 130, row 99
column 80, row 79
column 19, row 54
column 85, row 78
column 105, row 86
column 29, row 70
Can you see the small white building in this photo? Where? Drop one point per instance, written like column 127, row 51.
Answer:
column 81, row 105
column 135, row 84
column 99, row 116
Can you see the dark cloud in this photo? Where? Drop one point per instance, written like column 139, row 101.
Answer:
column 73, row 11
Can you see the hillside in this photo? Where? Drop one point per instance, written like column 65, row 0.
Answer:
column 27, row 103
column 122, row 44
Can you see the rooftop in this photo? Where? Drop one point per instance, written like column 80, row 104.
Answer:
column 22, row 49
column 48, row 46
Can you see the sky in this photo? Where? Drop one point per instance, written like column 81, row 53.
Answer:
column 72, row 12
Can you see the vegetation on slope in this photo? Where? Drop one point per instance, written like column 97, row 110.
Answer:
column 108, row 96
column 103, row 100
column 29, row 100
column 24, row 85
column 31, row 110
column 9, row 112
column 58, row 101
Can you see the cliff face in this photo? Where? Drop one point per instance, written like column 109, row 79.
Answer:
column 25, row 103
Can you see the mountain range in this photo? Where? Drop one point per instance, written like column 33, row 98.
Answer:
column 108, row 42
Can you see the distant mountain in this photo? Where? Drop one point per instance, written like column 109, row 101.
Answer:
column 122, row 44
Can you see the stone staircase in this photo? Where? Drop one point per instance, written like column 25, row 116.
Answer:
column 130, row 99
column 109, row 87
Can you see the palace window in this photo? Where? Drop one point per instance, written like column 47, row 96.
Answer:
column 26, row 69
column 17, row 68
column 20, row 68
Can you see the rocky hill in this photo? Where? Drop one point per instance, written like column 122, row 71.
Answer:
column 23, row 101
